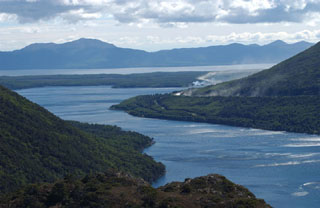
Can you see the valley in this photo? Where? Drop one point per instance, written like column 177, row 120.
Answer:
column 159, row 104
column 273, row 165
column 203, row 148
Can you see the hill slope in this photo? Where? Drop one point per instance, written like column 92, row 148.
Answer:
column 285, row 97
column 120, row 190
column 294, row 114
column 90, row 53
column 36, row 146
column 299, row 75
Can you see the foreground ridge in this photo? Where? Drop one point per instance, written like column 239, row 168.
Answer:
column 115, row 189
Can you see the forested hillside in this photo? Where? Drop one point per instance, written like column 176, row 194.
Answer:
column 37, row 146
column 294, row 114
column 285, row 97
column 299, row 75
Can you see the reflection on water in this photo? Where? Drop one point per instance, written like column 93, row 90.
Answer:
column 283, row 168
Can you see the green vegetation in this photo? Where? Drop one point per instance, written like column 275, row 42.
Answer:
column 156, row 79
column 117, row 190
column 285, row 97
column 37, row 146
column 299, row 75
column 295, row 114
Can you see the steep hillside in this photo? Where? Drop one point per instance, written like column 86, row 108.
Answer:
column 299, row 75
column 90, row 53
column 120, row 190
column 36, row 146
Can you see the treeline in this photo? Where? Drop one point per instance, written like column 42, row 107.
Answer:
column 295, row 114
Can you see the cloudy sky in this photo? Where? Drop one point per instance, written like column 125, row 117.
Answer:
column 158, row 24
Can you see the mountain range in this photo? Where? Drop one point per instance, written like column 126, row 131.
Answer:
column 92, row 53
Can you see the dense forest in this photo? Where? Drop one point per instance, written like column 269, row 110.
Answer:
column 37, row 146
column 114, row 189
column 294, row 114
column 156, row 79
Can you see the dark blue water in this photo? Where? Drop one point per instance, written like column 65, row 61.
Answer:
column 283, row 168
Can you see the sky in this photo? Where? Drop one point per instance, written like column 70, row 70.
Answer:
column 154, row 25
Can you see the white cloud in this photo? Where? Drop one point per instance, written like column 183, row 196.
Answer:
column 80, row 14
column 253, row 5
column 158, row 24
column 245, row 38
column 5, row 17
column 31, row 30
column 165, row 12
column 263, row 38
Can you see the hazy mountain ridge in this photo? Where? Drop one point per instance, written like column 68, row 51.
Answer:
column 298, row 75
column 91, row 53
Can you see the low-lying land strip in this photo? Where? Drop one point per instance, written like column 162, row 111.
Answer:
column 294, row 114
column 156, row 79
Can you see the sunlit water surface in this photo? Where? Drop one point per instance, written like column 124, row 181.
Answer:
column 283, row 168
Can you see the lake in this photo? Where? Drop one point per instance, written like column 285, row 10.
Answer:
column 282, row 168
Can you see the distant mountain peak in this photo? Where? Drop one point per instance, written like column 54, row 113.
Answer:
column 80, row 43
column 88, row 42
column 236, row 44
column 36, row 46
column 277, row 43
column 304, row 43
